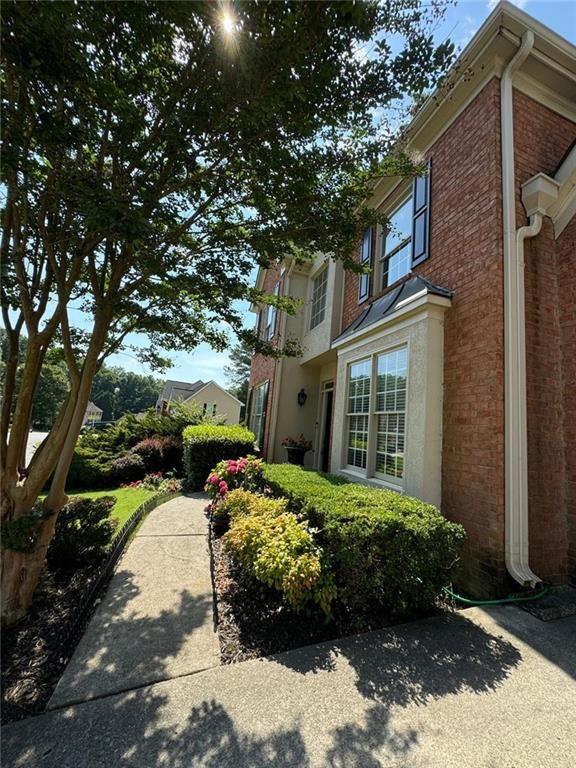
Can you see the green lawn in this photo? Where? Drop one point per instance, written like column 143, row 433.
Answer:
column 127, row 500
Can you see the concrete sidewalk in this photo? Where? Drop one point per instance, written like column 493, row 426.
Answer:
column 156, row 619
column 489, row 688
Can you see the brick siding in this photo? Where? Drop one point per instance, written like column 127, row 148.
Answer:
column 264, row 368
column 542, row 138
column 466, row 256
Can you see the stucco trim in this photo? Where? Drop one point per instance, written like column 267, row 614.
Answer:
column 422, row 332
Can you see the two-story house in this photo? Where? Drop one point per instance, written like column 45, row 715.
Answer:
column 449, row 371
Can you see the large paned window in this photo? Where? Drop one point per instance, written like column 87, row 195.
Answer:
column 405, row 244
column 257, row 418
column 376, row 414
column 397, row 244
column 359, row 377
column 390, row 412
column 319, row 292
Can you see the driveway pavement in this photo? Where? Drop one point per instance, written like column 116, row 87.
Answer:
column 489, row 688
column 34, row 440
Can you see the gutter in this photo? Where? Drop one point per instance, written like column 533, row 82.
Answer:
column 515, row 427
column 539, row 195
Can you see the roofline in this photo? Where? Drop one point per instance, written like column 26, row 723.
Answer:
column 507, row 22
column 491, row 27
column 216, row 385
column 409, row 307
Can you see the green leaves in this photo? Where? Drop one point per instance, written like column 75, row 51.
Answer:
column 151, row 163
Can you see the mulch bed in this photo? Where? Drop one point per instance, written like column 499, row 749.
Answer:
column 34, row 652
column 252, row 622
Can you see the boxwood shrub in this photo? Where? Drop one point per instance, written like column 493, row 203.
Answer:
column 390, row 553
column 207, row 444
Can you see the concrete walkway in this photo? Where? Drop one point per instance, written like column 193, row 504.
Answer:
column 489, row 688
column 156, row 620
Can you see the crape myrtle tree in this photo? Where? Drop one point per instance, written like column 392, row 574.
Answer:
column 153, row 154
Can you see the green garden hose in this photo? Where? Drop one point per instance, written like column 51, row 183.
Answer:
column 510, row 599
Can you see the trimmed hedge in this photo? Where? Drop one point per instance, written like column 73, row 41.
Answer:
column 390, row 553
column 206, row 444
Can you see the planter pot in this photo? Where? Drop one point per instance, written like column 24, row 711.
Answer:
column 296, row 455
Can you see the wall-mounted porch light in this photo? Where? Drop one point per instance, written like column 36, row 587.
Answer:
column 302, row 396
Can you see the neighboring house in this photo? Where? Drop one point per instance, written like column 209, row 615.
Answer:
column 93, row 414
column 449, row 372
column 211, row 397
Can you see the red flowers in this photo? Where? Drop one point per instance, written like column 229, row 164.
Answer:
column 230, row 474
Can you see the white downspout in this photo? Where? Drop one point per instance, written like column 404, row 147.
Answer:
column 515, row 429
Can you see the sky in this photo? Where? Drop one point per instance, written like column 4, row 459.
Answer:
column 460, row 23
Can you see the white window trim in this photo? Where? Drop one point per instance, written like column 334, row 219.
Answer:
column 256, row 389
column 419, row 325
column 348, row 415
column 369, row 474
column 323, row 270
column 381, row 257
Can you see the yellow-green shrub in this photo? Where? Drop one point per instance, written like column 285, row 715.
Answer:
column 277, row 549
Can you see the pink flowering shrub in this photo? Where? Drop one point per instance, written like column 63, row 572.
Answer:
column 230, row 474
column 155, row 481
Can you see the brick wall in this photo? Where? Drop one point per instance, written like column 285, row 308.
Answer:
column 466, row 256
column 566, row 255
column 262, row 367
column 542, row 138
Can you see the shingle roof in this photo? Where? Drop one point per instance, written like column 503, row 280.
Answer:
column 179, row 390
column 387, row 304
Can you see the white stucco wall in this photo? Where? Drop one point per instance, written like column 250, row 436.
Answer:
column 423, row 335
column 316, row 341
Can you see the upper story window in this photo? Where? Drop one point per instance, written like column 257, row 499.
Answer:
column 406, row 243
column 271, row 317
column 397, row 244
column 366, row 259
column 319, row 292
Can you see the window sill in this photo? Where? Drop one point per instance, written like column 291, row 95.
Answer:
column 375, row 482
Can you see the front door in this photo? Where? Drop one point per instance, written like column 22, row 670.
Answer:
column 326, row 434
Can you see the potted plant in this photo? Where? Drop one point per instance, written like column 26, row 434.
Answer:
column 296, row 448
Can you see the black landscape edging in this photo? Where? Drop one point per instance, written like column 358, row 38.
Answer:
column 72, row 636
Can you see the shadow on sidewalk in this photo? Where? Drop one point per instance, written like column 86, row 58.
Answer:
column 416, row 662
column 132, row 649
column 145, row 727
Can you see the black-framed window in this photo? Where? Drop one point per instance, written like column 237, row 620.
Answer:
column 366, row 260
column 406, row 243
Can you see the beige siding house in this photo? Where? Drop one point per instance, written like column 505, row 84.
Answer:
column 213, row 399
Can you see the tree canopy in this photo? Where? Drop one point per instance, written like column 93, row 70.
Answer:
column 152, row 157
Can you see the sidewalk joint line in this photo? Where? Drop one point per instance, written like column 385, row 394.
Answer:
column 148, row 684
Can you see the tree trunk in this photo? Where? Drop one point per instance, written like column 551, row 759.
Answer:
column 20, row 572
